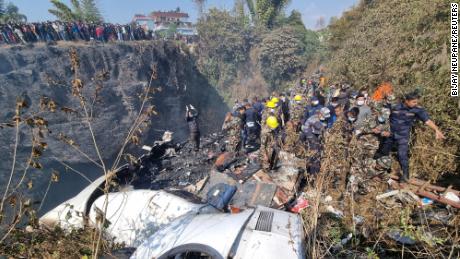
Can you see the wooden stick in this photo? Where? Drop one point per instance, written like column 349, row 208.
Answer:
column 418, row 182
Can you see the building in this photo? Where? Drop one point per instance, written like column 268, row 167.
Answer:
column 170, row 16
column 146, row 22
column 162, row 21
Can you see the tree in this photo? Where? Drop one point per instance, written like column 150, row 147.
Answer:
column 90, row 11
column 80, row 10
column 295, row 20
column 2, row 8
column 223, row 48
column 252, row 9
column 268, row 10
column 10, row 13
column 65, row 13
column 240, row 12
column 283, row 54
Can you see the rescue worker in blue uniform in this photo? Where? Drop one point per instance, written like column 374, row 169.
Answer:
column 311, row 109
column 402, row 118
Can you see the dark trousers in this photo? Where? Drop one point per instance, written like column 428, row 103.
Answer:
column 195, row 139
column 314, row 147
column 402, row 145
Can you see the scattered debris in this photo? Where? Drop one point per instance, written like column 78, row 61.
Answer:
column 299, row 204
column 220, row 195
column 345, row 240
column 399, row 237
column 335, row 212
column 426, row 201
column 452, row 197
column 224, row 161
column 358, row 220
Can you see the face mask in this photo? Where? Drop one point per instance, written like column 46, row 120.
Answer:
column 334, row 104
column 381, row 119
column 360, row 102
column 272, row 110
column 314, row 103
column 351, row 119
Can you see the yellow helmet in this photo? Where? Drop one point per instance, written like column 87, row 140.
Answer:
column 298, row 97
column 275, row 99
column 271, row 104
column 272, row 122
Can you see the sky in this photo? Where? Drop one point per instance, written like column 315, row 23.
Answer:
column 122, row 11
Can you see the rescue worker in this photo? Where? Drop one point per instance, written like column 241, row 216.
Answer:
column 365, row 112
column 251, row 127
column 344, row 95
column 368, row 136
column 191, row 117
column 356, row 153
column 312, row 132
column 332, row 105
column 311, row 109
column 402, row 118
column 351, row 100
column 258, row 106
column 296, row 111
column 277, row 109
column 284, row 108
column 378, row 167
column 373, row 168
column 232, row 127
column 236, row 105
column 311, row 88
column 271, row 108
column 388, row 100
column 270, row 143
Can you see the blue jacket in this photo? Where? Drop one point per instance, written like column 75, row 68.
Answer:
column 259, row 107
column 310, row 111
column 402, row 119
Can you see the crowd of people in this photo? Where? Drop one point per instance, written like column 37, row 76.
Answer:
column 71, row 31
column 361, row 127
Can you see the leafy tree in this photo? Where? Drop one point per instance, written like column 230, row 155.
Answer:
column 283, row 55
column 268, row 10
column 80, row 10
column 2, row 8
column 10, row 13
column 223, row 47
column 295, row 19
column 65, row 13
column 90, row 11
column 241, row 13
column 252, row 9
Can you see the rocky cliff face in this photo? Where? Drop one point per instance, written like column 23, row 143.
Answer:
column 34, row 72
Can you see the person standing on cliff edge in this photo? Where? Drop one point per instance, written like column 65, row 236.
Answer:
column 191, row 116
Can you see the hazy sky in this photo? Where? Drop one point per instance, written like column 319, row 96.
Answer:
column 121, row 11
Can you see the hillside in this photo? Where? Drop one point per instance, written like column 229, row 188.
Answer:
column 407, row 44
